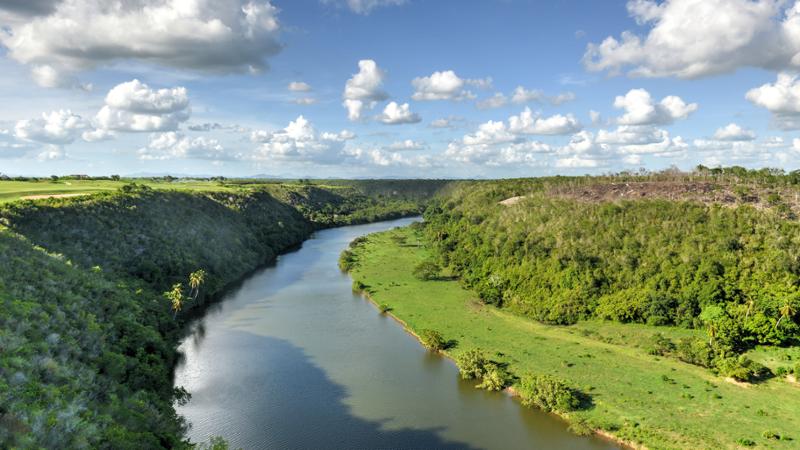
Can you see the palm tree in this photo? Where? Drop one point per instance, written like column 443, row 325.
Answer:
column 750, row 304
column 196, row 278
column 786, row 310
column 175, row 296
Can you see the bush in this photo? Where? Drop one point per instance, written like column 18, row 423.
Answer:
column 471, row 364
column 744, row 442
column 797, row 370
column 695, row 351
column 432, row 340
column 427, row 271
column 384, row 308
column 347, row 261
column 495, row 378
column 548, row 393
column 661, row 345
column 741, row 368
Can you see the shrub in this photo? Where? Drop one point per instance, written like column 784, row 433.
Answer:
column 495, row 378
column 695, row 351
column 745, row 442
column 661, row 345
column 741, row 368
column 797, row 370
column 548, row 393
column 347, row 260
column 432, row 340
column 581, row 427
column 471, row 364
column 427, row 270
column 384, row 308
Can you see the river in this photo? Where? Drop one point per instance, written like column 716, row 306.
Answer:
column 292, row 359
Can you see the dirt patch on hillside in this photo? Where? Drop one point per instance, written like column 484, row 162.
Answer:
column 512, row 200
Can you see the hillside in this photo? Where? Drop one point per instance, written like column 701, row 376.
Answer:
column 87, row 342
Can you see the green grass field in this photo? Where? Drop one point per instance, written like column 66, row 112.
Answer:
column 654, row 401
column 15, row 190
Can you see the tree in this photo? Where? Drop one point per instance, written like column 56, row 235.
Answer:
column 175, row 296
column 196, row 278
column 432, row 340
column 786, row 311
column 427, row 270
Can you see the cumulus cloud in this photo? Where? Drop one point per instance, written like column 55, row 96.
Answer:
column 781, row 98
column 134, row 106
column 529, row 123
column 300, row 141
column 364, row 89
column 173, row 145
column 56, row 127
column 446, row 85
column 364, row 7
column 220, row 36
column 641, row 109
column 395, row 114
column 383, row 158
column 733, row 132
column 696, row 38
column 522, row 95
column 299, row 86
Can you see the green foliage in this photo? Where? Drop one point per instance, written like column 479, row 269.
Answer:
column 347, row 260
column 495, row 377
column 87, row 340
column 472, row 364
column 559, row 259
column 427, row 270
column 547, row 393
column 741, row 368
column 432, row 340
column 744, row 442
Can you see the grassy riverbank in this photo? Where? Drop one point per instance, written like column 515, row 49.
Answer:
column 655, row 401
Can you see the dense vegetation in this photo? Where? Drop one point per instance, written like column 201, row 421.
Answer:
column 732, row 270
column 94, row 289
column 618, row 378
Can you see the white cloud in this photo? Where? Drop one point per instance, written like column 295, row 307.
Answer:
column 365, row 7
column 446, row 85
column 51, row 153
column 498, row 100
column 395, row 114
column 447, row 122
column 407, row 144
column 781, row 98
column 134, row 106
column 56, row 127
column 172, row 145
column 364, row 89
column 382, row 158
column 733, row 132
column 299, row 86
column 640, row 109
column 305, row 100
column 522, row 95
column 529, row 123
column 200, row 35
column 299, row 141
column 695, row 38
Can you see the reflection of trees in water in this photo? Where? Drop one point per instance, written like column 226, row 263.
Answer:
column 266, row 393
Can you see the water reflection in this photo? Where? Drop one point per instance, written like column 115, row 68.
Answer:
column 293, row 359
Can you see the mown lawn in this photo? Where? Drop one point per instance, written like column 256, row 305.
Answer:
column 656, row 401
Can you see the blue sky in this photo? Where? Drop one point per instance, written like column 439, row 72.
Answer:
column 601, row 86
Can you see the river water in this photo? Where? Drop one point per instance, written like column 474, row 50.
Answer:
column 292, row 359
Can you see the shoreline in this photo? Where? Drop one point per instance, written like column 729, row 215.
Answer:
column 510, row 391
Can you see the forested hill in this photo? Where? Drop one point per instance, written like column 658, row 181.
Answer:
column 716, row 251
column 93, row 292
